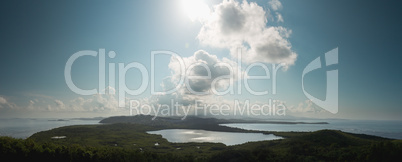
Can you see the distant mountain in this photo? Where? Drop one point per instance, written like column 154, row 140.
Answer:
column 94, row 118
column 190, row 120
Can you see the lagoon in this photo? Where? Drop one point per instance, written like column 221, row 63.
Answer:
column 227, row 138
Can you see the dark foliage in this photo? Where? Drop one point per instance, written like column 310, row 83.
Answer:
column 128, row 141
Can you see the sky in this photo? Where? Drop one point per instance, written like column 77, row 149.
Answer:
column 275, row 38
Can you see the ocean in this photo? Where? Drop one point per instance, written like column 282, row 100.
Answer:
column 23, row 128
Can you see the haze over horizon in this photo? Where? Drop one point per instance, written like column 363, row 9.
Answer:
column 276, row 38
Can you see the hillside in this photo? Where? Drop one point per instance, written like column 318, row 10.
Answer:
column 125, row 139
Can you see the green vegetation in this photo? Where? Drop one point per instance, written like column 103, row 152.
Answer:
column 122, row 135
column 28, row 150
column 128, row 141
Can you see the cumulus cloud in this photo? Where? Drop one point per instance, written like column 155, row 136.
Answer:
column 31, row 104
column 204, row 73
column 231, row 23
column 206, row 76
column 279, row 17
column 3, row 100
column 59, row 104
column 107, row 102
column 98, row 103
column 234, row 25
column 5, row 104
column 275, row 5
column 37, row 103
column 95, row 103
column 306, row 107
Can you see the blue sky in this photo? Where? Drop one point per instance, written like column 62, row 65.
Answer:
column 39, row 37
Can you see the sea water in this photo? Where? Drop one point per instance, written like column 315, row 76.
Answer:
column 227, row 138
column 23, row 128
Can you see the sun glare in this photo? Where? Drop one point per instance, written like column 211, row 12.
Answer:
column 195, row 9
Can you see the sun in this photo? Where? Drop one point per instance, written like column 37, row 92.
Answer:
column 195, row 9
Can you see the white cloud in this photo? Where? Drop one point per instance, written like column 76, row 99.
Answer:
column 59, row 104
column 100, row 104
column 233, row 25
column 3, row 100
column 222, row 75
column 96, row 103
column 5, row 104
column 31, row 104
column 105, row 102
column 306, row 107
column 279, row 17
column 108, row 90
column 81, row 104
column 222, row 72
column 45, row 104
column 275, row 5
